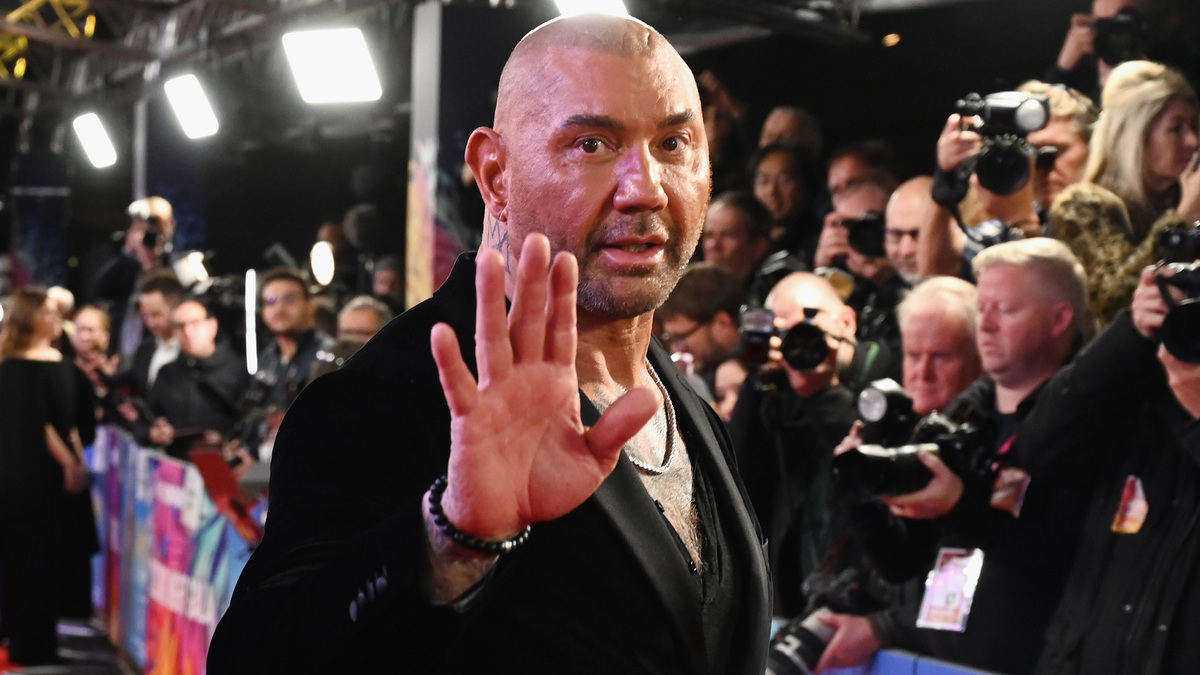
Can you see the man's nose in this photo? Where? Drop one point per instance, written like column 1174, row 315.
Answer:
column 927, row 371
column 639, row 182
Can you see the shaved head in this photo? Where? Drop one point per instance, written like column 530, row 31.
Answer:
column 526, row 78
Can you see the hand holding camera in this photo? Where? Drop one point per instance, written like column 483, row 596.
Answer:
column 1080, row 42
column 913, row 464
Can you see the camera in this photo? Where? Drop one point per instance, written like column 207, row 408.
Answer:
column 888, row 464
column 866, row 234
column 886, row 411
column 1179, row 244
column 153, row 238
column 992, row 232
column 798, row 646
column 1121, row 37
column 804, row 346
column 1180, row 331
column 1008, row 117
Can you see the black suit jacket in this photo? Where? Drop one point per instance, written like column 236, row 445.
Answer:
column 333, row 587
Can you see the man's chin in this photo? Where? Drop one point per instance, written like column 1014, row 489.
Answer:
column 625, row 296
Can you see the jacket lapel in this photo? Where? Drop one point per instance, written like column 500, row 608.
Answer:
column 623, row 499
column 740, row 526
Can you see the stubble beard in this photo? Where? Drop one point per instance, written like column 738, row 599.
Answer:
column 599, row 293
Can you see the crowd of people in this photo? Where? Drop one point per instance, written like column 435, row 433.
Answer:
column 158, row 358
column 982, row 299
column 1049, row 532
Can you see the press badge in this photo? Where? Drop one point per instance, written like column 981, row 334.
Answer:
column 1131, row 512
column 950, row 589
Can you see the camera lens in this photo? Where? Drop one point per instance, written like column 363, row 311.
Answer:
column 805, row 346
column 1003, row 165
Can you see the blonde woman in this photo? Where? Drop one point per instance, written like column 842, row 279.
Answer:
column 1143, row 152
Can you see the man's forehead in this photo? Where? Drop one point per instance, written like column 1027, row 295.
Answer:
column 558, row 91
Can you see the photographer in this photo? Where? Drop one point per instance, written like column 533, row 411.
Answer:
column 1032, row 309
column 1117, row 31
column 146, row 244
column 1141, row 175
column 854, row 240
column 1010, row 205
column 1122, row 421
column 785, row 433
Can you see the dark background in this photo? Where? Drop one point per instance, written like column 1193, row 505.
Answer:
column 236, row 197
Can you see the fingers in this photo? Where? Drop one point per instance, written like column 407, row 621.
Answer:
column 457, row 381
column 527, row 318
column 561, row 340
column 852, row 439
column 1148, row 307
column 493, row 351
column 620, row 422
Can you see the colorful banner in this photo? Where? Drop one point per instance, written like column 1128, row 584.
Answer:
column 170, row 560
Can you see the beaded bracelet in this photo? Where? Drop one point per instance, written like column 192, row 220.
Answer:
column 457, row 536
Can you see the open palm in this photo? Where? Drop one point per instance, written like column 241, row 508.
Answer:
column 519, row 452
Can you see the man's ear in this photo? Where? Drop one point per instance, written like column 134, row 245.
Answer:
column 1064, row 318
column 486, row 157
column 849, row 320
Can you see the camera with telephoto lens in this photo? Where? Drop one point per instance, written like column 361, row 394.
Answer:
column 1180, row 331
column 1003, row 165
column 804, row 345
column 888, row 465
column 1121, row 37
column 798, row 646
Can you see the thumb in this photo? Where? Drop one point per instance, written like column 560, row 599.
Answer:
column 932, row 461
column 624, row 418
column 830, row 619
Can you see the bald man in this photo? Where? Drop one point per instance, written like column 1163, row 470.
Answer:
column 785, row 435
column 910, row 205
column 572, row 509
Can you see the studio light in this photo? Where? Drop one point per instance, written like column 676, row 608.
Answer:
column 95, row 141
column 569, row 7
column 191, row 106
column 320, row 258
column 332, row 66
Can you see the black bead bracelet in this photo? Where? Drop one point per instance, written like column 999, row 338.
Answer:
column 461, row 538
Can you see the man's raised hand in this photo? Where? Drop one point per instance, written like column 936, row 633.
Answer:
column 519, row 452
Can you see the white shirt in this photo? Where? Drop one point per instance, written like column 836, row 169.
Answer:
column 165, row 351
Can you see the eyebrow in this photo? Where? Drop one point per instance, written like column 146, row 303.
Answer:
column 607, row 122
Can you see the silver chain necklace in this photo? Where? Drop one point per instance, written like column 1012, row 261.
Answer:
column 670, row 453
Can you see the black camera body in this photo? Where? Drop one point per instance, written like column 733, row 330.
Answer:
column 1003, row 166
column 888, row 464
column 1121, row 37
column 866, row 234
column 805, row 345
column 1179, row 244
column 153, row 237
column 1180, row 331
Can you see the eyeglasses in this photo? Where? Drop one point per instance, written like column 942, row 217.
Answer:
column 272, row 300
column 896, row 236
column 674, row 339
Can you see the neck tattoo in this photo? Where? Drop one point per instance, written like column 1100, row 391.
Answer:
column 670, row 410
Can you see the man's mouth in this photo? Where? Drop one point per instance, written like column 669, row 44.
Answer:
column 634, row 248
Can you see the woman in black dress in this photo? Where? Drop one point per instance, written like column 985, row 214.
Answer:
column 41, row 462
